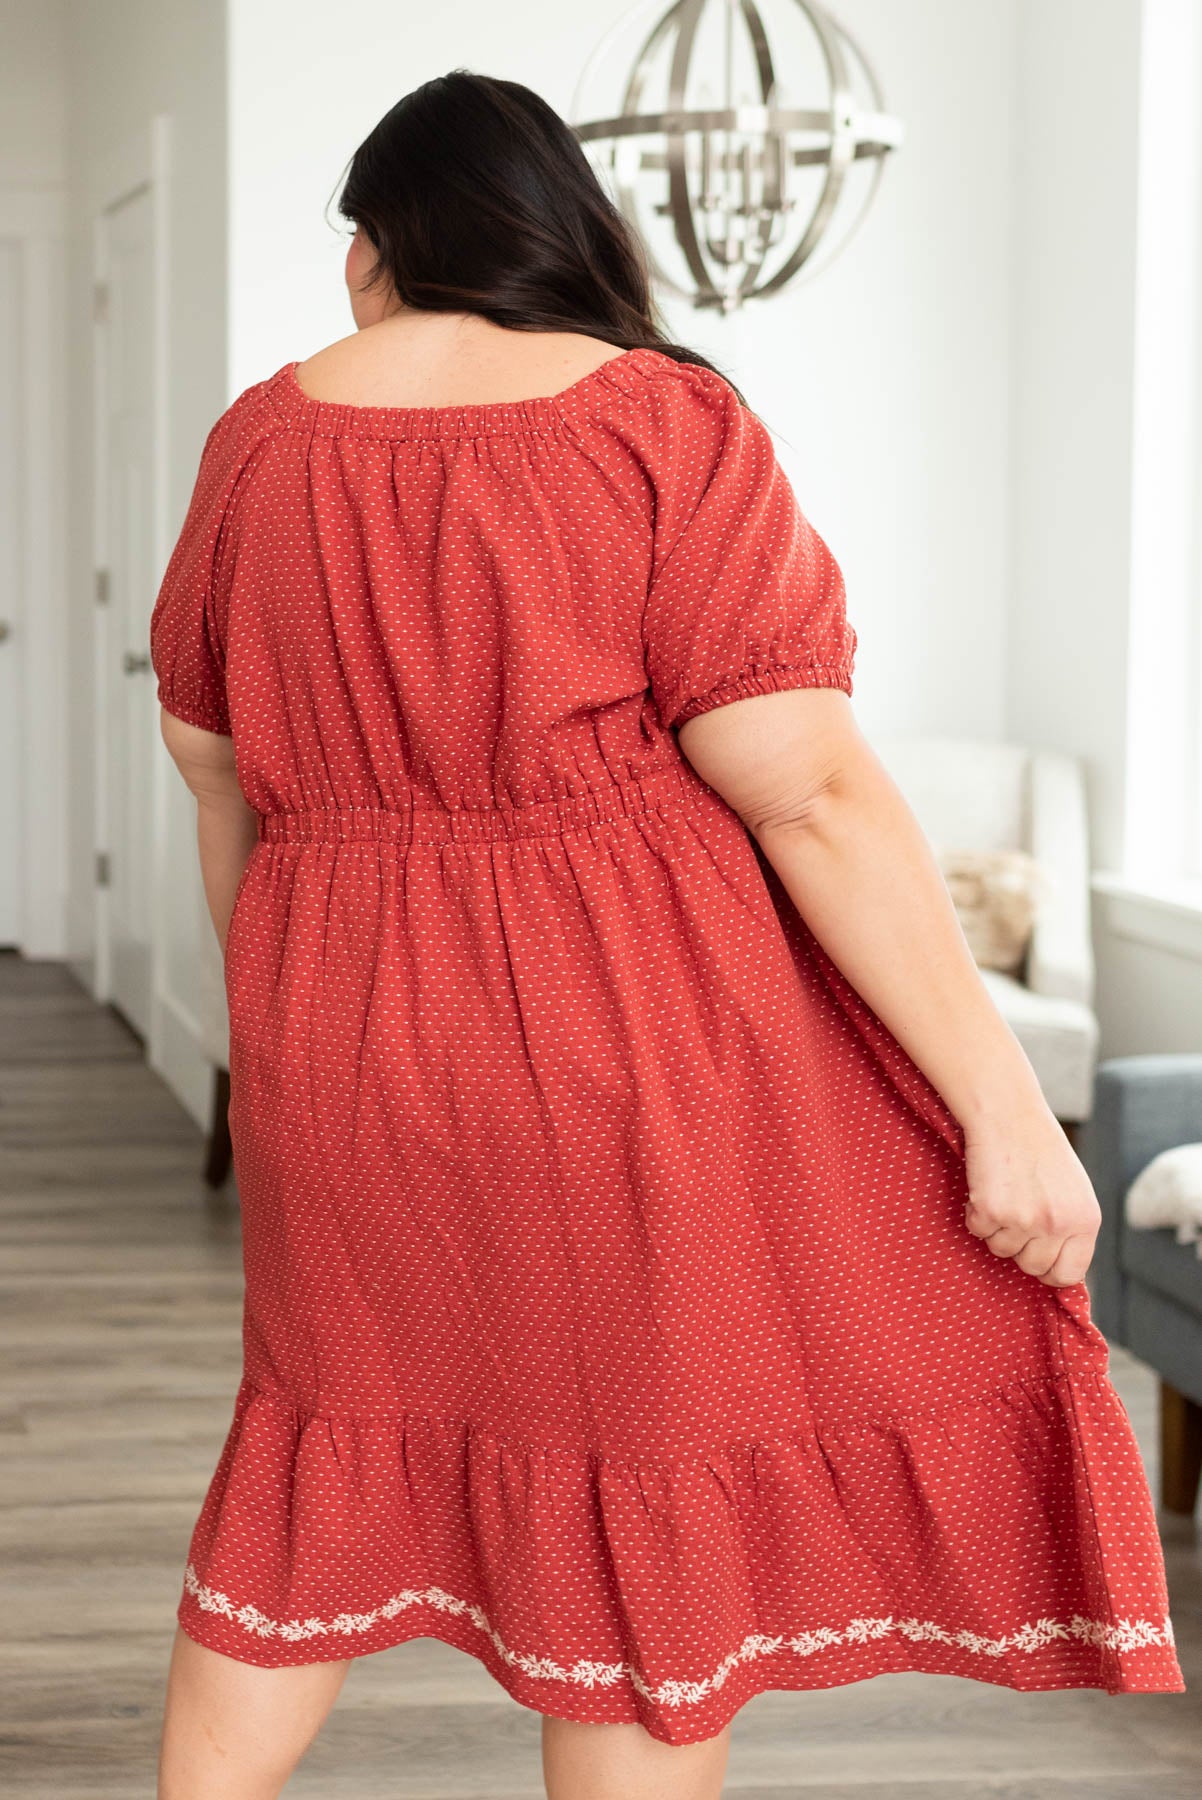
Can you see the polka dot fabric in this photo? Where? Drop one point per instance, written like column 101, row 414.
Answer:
column 609, row 1308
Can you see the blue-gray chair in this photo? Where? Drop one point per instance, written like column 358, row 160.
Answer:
column 1145, row 1287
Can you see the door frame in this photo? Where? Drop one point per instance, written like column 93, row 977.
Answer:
column 34, row 219
column 141, row 164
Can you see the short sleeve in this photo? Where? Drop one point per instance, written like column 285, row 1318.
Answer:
column 745, row 596
column 187, row 625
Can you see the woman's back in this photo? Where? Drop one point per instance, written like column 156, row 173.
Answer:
column 483, row 604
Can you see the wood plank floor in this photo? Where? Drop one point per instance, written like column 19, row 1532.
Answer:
column 119, row 1340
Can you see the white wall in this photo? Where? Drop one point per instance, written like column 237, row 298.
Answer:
column 1105, row 364
column 889, row 377
column 1074, row 346
column 33, row 98
column 1163, row 761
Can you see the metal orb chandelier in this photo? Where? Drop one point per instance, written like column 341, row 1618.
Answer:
column 744, row 182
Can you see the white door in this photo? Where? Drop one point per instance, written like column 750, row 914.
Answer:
column 12, row 539
column 129, row 713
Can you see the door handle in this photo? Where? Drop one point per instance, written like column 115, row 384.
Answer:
column 6, row 630
column 136, row 662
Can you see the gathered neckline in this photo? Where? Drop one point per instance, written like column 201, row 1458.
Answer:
column 460, row 419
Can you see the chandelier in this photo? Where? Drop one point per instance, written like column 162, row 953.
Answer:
column 730, row 182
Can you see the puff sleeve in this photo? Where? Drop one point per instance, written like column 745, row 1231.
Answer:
column 745, row 597
column 187, row 624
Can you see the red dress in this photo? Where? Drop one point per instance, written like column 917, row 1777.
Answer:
column 610, row 1312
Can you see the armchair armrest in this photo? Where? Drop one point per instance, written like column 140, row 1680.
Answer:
column 1060, row 958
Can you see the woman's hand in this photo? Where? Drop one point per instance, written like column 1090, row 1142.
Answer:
column 1029, row 1197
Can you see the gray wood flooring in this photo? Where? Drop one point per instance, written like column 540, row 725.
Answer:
column 119, row 1331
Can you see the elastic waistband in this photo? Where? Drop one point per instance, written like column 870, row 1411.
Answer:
column 420, row 823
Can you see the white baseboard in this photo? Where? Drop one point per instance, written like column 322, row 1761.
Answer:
column 80, row 952
column 182, row 1061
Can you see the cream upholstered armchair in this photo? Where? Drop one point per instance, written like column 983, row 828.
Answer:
column 971, row 795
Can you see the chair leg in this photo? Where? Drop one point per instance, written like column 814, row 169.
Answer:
column 1180, row 1450
column 219, row 1153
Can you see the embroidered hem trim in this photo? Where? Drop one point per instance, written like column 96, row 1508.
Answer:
column 1124, row 1634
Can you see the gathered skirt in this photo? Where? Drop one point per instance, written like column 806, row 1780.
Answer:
column 610, row 1312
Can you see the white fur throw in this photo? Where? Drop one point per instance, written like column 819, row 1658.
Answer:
column 1169, row 1194
column 996, row 895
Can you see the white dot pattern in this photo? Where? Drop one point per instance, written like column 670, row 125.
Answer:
column 609, row 1308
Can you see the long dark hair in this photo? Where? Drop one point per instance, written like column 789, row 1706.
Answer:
column 477, row 197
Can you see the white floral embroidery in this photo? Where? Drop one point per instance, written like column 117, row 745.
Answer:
column 1124, row 1634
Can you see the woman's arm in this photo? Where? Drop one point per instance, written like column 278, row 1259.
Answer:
column 855, row 863
column 226, row 827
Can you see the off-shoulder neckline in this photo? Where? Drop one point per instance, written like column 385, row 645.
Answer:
column 476, row 418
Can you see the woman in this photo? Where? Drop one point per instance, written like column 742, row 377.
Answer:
column 664, row 1277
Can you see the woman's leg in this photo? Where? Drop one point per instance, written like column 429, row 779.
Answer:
column 235, row 1732
column 624, row 1762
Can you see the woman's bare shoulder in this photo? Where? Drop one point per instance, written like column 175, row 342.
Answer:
column 441, row 360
